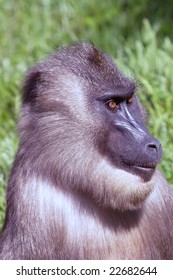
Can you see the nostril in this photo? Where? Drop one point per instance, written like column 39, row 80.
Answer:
column 152, row 146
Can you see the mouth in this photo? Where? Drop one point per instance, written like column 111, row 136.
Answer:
column 145, row 171
column 145, row 166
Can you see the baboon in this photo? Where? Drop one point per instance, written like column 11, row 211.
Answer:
column 84, row 183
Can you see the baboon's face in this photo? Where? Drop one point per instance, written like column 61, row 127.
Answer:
column 126, row 142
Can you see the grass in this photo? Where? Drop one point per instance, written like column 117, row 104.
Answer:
column 30, row 30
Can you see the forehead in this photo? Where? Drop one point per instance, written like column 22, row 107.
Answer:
column 94, row 68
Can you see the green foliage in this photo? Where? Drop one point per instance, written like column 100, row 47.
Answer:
column 30, row 30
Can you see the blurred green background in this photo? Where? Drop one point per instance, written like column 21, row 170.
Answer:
column 138, row 34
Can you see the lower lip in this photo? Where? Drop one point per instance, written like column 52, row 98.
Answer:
column 144, row 172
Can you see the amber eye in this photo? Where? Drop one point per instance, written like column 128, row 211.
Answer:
column 130, row 100
column 111, row 104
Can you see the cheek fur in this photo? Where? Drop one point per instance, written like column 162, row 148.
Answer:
column 107, row 185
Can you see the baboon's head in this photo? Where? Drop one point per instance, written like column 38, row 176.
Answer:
column 83, row 127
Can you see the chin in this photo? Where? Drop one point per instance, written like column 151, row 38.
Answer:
column 126, row 190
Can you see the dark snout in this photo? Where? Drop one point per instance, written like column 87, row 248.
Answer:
column 148, row 155
column 139, row 153
column 130, row 146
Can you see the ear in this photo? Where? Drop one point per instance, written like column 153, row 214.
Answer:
column 31, row 84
